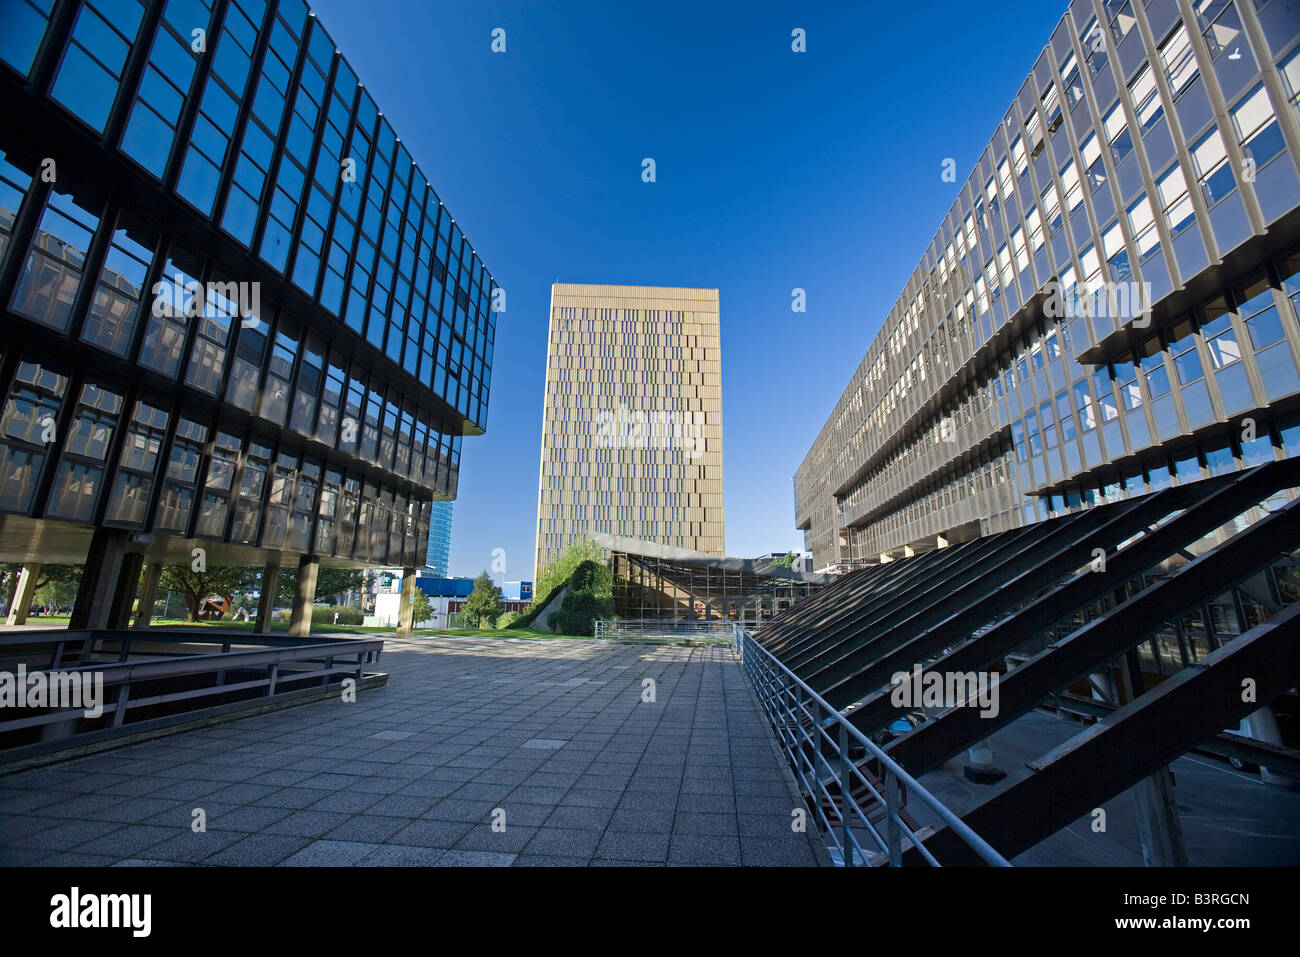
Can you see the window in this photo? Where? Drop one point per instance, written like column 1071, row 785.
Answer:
column 1112, row 241
column 1146, row 99
column 1021, row 161
column 1096, row 169
column 246, row 374
column 1064, row 415
column 92, row 64
column 1120, row 16
column 212, row 339
column 1101, row 383
column 1213, row 170
column 151, row 125
column 1051, row 208
column 1126, row 376
column 1052, row 108
column 175, row 301
column 115, row 308
column 1152, row 364
column 134, row 484
column 1117, row 133
column 1221, row 341
column 176, row 502
column 53, row 271
column 1035, row 224
column 1142, row 223
column 1093, row 41
column 1083, row 402
column 1182, row 347
column 1071, row 83
column 1174, row 200
column 1179, row 61
column 1258, row 313
column 1220, row 26
column 1073, row 188
column 1257, row 129
column 80, row 477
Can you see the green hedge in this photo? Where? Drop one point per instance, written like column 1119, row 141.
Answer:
column 590, row 596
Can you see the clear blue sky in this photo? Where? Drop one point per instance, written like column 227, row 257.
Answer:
column 776, row 170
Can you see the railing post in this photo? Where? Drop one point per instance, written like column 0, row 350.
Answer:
column 119, row 712
column 846, row 784
column 815, row 753
column 892, row 809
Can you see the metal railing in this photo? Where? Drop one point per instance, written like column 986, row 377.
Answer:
column 661, row 629
column 273, row 665
column 804, row 723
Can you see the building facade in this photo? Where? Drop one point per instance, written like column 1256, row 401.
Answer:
column 1108, row 308
column 632, row 424
column 236, row 316
column 439, row 555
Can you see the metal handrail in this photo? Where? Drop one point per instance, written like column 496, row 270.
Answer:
column 788, row 701
column 123, row 674
column 636, row 629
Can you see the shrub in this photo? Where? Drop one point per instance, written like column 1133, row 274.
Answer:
column 348, row 615
column 507, row 619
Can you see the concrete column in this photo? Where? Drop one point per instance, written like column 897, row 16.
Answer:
column 1263, row 726
column 304, row 593
column 148, row 592
column 266, row 601
column 1160, row 829
column 25, row 594
column 406, row 605
column 128, row 581
column 99, row 580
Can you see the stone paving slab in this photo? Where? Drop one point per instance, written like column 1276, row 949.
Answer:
column 552, row 738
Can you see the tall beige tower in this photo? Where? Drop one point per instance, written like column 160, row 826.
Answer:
column 632, row 425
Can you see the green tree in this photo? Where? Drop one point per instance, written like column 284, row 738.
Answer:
column 421, row 609
column 484, row 602
column 331, row 583
column 223, row 580
column 786, row 561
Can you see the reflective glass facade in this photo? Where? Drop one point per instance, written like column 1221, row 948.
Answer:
column 439, row 554
column 1153, row 149
column 233, row 307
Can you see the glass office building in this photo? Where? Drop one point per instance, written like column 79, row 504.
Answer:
column 235, row 313
column 439, row 554
column 1108, row 308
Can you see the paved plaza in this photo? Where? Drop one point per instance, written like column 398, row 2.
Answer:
column 478, row 752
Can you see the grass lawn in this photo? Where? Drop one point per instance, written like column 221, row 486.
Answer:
column 496, row 633
column 58, row 621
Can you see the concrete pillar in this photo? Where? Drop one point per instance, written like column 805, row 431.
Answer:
column 148, row 592
column 1262, row 726
column 406, row 605
column 99, row 580
column 1160, row 830
column 304, row 593
column 25, row 594
column 12, row 592
column 128, row 581
column 266, row 601
column 981, row 768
